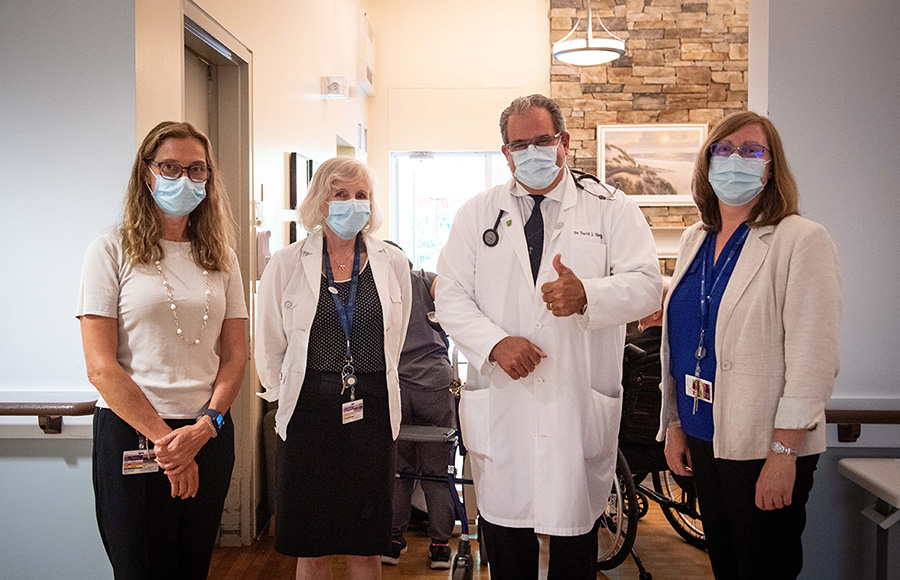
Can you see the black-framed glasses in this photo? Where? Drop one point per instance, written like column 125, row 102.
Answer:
column 748, row 151
column 542, row 141
column 198, row 172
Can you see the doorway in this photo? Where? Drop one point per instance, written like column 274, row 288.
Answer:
column 216, row 99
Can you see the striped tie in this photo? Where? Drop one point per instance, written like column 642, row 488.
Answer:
column 534, row 235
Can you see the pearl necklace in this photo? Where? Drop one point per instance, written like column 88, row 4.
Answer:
column 174, row 308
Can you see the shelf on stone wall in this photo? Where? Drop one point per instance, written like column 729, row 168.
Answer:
column 667, row 239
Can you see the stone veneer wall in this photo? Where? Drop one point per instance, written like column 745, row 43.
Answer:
column 685, row 62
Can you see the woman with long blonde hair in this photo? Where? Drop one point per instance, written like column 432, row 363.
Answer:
column 163, row 325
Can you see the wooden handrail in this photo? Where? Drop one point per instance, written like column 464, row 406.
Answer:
column 849, row 422
column 49, row 414
column 62, row 409
column 867, row 417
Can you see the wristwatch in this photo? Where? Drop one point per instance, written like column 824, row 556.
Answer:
column 217, row 419
column 778, row 447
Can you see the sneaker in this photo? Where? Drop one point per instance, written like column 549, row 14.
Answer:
column 440, row 555
column 397, row 547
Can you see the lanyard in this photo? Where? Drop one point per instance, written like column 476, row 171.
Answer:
column 345, row 313
column 707, row 259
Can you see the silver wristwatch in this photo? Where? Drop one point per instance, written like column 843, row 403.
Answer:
column 778, row 447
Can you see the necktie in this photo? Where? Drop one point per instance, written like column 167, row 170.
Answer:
column 534, row 235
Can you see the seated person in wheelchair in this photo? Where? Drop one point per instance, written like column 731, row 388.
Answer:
column 425, row 375
column 642, row 398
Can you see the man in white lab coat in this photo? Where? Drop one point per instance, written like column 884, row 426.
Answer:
column 535, row 285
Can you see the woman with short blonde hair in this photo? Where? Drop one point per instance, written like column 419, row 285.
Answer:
column 333, row 312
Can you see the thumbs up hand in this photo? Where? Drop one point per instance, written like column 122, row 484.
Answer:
column 565, row 295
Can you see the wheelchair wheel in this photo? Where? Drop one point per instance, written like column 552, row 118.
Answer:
column 685, row 519
column 643, row 503
column 463, row 568
column 618, row 525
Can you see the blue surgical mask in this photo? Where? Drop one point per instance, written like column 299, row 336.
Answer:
column 177, row 197
column 347, row 218
column 735, row 179
column 536, row 166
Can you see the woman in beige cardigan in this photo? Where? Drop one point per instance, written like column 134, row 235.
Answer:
column 750, row 351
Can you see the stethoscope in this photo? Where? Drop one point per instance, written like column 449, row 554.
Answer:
column 491, row 236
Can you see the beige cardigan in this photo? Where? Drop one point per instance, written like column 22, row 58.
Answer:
column 776, row 339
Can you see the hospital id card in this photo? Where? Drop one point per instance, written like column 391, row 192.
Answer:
column 139, row 461
column 698, row 389
column 352, row 411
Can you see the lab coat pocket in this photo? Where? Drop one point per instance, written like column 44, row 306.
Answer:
column 474, row 419
column 601, row 424
column 289, row 311
column 588, row 258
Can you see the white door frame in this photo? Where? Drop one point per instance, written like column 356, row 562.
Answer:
column 233, row 61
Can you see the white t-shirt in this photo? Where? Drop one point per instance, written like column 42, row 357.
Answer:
column 176, row 376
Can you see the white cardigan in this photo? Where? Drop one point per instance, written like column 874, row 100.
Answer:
column 286, row 305
column 776, row 339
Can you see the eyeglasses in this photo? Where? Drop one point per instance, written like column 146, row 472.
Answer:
column 542, row 141
column 748, row 151
column 197, row 173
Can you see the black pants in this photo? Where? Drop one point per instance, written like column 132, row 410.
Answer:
column 743, row 541
column 513, row 554
column 146, row 533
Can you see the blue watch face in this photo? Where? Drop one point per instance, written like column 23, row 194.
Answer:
column 217, row 418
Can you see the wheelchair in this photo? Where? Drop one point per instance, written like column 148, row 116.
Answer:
column 640, row 456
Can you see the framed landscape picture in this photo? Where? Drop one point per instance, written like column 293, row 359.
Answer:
column 653, row 164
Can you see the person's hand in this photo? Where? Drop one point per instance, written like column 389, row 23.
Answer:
column 179, row 447
column 517, row 356
column 565, row 295
column 186, row 481
column 775, row 486
column 678, row 455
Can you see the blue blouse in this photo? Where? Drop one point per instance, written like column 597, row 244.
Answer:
column 685, row 320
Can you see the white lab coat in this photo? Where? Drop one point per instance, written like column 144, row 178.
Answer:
column 287, row 300
column 543, row 448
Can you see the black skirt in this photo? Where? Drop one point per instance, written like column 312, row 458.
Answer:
column 333, row 493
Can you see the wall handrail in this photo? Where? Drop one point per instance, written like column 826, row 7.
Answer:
column 850, row 421
column 49, row 414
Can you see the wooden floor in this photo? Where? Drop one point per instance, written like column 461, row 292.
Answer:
column 664, row 555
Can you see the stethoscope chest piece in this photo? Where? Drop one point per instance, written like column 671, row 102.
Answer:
column 491, row 236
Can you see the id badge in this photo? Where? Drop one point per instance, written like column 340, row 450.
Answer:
column 697, row 388
column 352, row 411
column 139, row 461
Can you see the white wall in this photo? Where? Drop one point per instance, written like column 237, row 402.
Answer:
column 67, row 127
column 446, row 69
column 66, row 143
column 834, row 94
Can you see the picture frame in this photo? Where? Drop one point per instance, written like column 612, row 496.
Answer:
column 298, row 175
column 653, row 163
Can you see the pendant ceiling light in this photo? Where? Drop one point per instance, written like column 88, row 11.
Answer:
column 588, row 51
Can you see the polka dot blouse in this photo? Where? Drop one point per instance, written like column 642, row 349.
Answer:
column 327, row 345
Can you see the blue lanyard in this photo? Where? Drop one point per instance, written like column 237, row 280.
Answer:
column 707, row 262
column 345, row 314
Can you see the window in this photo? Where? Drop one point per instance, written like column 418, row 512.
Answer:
column 428, row 189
